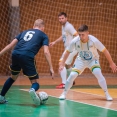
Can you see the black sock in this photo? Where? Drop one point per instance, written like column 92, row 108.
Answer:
column 35, row 86
column 7, row 86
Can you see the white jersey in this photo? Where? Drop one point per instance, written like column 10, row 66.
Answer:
column 86, row 51
column 68, row 31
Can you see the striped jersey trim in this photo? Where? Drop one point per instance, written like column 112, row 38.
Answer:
column 13, row 70
column 76, row 70
column 76, row 33
column 67, row 51
column 31, row 76
column 92, row 68
column 60, row 60
column 103, row 49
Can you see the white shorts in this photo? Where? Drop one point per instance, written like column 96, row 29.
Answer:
column 80, row 65
column 70, row 57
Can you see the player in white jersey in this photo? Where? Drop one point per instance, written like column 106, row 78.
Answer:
column 88, row 57
column 68, row 33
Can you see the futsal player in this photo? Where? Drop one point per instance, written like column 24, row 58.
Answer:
column 26, row 45
column 68, row 32
column 88, row 57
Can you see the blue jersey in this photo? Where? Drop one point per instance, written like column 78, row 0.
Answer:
column 30, row 41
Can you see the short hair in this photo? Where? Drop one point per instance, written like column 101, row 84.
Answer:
column 83, row 28
column 39, row 23
column 62, row 13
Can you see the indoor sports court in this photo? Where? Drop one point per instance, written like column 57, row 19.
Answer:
column 85, row 98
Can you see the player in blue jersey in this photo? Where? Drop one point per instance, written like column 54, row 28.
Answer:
column 26, row 45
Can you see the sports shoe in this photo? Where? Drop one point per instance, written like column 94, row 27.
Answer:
column 3, row 100
column 34, row 96
column 74, row 83
column 61, row 86
column 108, row 97
column 62, row 96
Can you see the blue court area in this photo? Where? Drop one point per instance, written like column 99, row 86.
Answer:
column 20, row 105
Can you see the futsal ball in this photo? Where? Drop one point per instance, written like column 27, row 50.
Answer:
column 43, row 97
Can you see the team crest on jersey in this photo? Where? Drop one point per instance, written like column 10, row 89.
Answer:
column 64, row 38
column 86, row 55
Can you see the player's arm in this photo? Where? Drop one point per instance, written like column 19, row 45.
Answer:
column 103, row 49
column 9, row 47
column 109, row 58
column 56, row 41
column 48, row 58
column 75, row 34
column 67, row 52
column 72, row 30
column 62, row 63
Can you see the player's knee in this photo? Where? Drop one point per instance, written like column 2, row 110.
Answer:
column 14, row 77
column 72, row 76
column 98, row 74
column 96, row 71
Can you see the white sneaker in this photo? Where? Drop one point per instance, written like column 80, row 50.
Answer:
column 108, row 97
column 62, row 97
column 34, row 96
column 3, row 100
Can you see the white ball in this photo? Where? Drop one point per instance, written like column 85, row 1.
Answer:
column 43, row 97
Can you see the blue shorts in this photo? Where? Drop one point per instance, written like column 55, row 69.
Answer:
column 24, row 62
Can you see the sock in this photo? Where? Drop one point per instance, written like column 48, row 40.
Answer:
column 106, row 93
column 7, row 86
column 63, row 75
column 103, row 85
column 69, row 81
column 35, row 86
column 69, row 71
column 101, row 79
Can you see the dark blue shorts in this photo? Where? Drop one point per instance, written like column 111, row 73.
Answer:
column 26, row 63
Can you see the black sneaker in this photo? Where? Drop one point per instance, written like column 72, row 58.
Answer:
column 74, row 83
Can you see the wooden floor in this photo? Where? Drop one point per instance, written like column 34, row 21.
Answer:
column 47, row 80
column 86, row 92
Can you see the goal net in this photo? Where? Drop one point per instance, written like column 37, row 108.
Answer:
column 99, row 15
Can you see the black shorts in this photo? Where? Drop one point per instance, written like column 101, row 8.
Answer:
column 26, row 63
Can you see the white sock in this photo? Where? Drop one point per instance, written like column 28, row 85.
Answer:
column 101, row 79
column 69, row 71
column 103, row 84
column 63, row 74
column 69, row 81
column 106, row 92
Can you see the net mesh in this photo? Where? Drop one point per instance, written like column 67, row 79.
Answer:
column 99, row 15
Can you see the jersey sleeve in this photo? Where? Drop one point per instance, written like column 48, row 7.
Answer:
column 18, row 36
column 71, row 30
column 99, row 46
column 71, row 47
column 45, row 40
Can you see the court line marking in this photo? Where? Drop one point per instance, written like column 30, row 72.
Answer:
column 86, row 103
column 89, row 93
column 77, row 101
